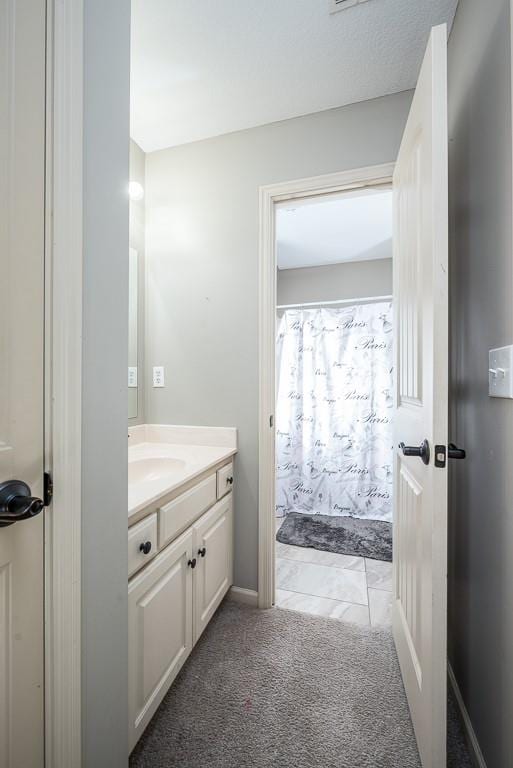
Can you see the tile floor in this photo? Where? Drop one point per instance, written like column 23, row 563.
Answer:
column 337, row 586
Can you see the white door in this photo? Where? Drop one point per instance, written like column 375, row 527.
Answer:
column 22, row 181
column 420, row 507
column 213, row 548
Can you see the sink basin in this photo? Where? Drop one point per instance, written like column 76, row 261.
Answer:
column 151, row 469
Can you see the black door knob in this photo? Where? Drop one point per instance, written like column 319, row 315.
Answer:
column 192, row 562
column 202, row 552
column 422, row 452
column 229, row 480
column 456, row 453
column 16, row 503
column 145, row 547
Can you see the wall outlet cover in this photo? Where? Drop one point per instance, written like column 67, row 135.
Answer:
column 132, row 376
column 500, row 372
column 158, row 376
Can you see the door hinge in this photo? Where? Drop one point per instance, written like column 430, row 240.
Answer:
column 440, row 456
column 48, row 489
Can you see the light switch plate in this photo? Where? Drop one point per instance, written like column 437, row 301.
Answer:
column 158, row 376
column 132, row 376
column 500, row 372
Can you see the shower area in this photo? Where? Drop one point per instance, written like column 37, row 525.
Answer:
column 334, row 407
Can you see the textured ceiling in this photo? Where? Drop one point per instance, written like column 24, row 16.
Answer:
column 354, row 226
column 204, row 68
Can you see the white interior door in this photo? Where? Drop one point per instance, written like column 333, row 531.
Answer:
column 22, row 186
column 421, row 301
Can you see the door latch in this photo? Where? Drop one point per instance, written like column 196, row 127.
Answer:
column 47, row 489
column 440, row 456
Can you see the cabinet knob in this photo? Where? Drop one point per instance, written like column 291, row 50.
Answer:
column 229, row 480
column 202, row 551
column 145, row 547
column 192, row 562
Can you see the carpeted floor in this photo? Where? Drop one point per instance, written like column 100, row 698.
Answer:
column 344, row 535
column 269, row 688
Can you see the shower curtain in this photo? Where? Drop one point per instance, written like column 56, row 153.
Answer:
column 334, row 411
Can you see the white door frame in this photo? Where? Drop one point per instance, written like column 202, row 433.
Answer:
column 63, row 382
column 269, row 195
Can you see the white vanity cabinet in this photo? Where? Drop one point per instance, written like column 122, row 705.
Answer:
column 213, row 548
column 159, row 630
column 172, row 597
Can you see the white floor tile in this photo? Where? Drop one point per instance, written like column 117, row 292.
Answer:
column 321, row 580
column 308, row 555
column 380, row 607
column 379, row 574
column 322, row 606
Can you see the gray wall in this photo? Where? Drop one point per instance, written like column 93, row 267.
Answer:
column 137, row 235
column 481, row 510
column 202, row 270
column 351, row 280
column 104, row 405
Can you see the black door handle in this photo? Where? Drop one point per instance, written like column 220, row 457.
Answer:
column 422, row 452
column 145, row 547
column 16, row 503
column 456, row 453
column 202, row 552
column 192, row 562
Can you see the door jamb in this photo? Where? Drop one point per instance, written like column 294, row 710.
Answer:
column 63, row 382
column 269, row 195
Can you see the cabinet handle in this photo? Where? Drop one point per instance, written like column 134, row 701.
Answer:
column 145, row 548
column 192, row 562
column 229, row 480
column 202, row 551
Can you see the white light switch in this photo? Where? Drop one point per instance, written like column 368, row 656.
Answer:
column 500, row 372
column 132, row 376
column 158, row 376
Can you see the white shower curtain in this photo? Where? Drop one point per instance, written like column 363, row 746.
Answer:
column 334, row 409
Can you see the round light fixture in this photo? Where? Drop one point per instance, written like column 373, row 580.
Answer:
column 135, row 191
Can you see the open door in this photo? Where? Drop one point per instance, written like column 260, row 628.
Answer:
column 22, row 247
column 421, row 421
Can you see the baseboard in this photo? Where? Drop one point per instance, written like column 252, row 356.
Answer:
column 473, row 745
column 246, row 596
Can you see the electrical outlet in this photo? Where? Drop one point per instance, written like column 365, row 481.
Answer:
column 132, row 376
column 158, row 376
column 500, row 372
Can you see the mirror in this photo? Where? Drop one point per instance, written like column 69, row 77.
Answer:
column 132, row 333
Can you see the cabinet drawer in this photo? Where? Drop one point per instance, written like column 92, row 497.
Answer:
column 176, row 516
column 144, row 534
column 224, row 480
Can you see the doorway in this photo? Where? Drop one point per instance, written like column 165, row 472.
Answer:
column 344, row 186
column 334, row 405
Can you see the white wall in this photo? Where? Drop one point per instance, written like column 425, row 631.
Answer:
column 202, row 270
column 481, row 512
column 104, row 385
column 349, row 280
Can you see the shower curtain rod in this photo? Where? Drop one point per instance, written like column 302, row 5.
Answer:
column 366, row 300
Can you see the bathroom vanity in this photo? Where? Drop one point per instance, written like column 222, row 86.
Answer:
column 180, row 552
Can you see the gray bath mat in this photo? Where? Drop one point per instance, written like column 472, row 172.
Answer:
column 343, row 535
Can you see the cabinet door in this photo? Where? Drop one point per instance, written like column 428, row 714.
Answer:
column 213, row 548
column 160, row 630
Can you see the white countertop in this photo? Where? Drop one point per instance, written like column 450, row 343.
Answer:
column 161, row 458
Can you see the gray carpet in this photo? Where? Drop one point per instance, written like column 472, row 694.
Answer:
column 457, row 752
column 344, row 535
column 269, row 688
